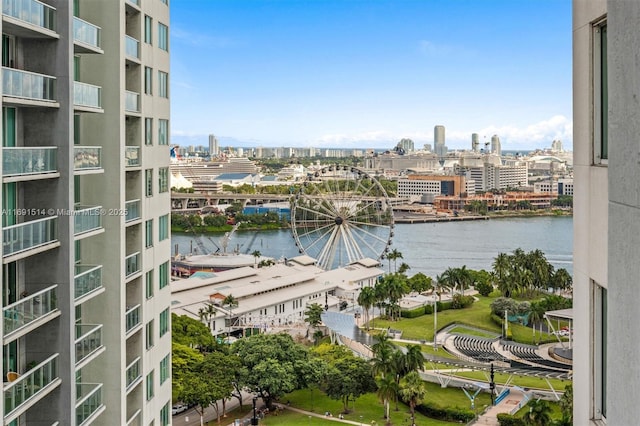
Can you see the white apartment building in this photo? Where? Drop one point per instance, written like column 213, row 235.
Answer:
column 606, row 121
column 273, row 296
column 502, row 177
column 559, row 186
column 85, row 221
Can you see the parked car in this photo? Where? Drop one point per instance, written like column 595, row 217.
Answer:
column 178, row 408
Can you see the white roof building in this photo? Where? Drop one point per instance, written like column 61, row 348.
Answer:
column 270, row 296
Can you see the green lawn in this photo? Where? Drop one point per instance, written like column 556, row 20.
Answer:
column 461, row 329
column 522, row 381
column 370, row 408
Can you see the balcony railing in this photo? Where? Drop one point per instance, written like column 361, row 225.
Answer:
column 132, row 263
column 131, row 47
column 132, row 318
column 87, row 279
column 23, row 161
column 88, row 340
column 132, row 156
column 29, row 384
column 31, row 11
column 87, row 157
column 87, row 95
column 88, row 401
column 28, row 235
column 27, row 310
column 133, row 210
column 131, row 101
column 28, row 85
column 86, row 219
column 133, row 372
column 85, row 32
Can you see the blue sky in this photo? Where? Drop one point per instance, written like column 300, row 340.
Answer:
column 366, row 73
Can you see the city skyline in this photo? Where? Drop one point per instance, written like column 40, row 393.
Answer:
column 367, row 74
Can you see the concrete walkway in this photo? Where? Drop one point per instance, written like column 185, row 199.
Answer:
column 508, row 404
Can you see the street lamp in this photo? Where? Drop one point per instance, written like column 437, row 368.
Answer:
column 492, row 386
column 435, row 323
column 254, row 420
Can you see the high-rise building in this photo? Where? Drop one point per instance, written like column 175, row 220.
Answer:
column 438, row 141
column 475, row 142
column 86, row 206
column 606, row 121
column 213, row 146
column 495, row 145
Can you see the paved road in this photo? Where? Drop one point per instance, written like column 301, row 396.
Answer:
column 192, row 418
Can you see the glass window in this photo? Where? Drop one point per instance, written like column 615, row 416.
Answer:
column 164, row 415
column 148, row 131
column 163, row 36
column 163, row 132
column 148, row 177
column 150, row 385
column 164, row 322
column 148, row 281
column 165, row 368
column 163, row 84
column 148, row 236
column 601, row 95
column 163, row 227
column 148, row 80
column 148, row 25
column 165, row 1
column 149, row 337
column 600, row 351
column 163, row 272
column 163, row 179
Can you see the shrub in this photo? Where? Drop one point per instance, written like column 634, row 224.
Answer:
column 460, row 302
column 428, row 309
column 505, row 419
column 448, row 414
column 412, row 313
column 484, row 288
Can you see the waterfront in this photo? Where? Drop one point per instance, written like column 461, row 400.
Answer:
column 431, row 247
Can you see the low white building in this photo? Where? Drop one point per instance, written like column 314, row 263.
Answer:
column 272, row 296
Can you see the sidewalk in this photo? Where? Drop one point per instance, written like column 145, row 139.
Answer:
column 490, row 417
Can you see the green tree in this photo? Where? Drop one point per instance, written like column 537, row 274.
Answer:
column 413, row 392
column 230, row 302
column 387, row 392
column 539, row 413
column 566, row 404
column 313, row 316
column 207, row 313
column 367, row 299
column 190, row 332
column 394, row 255
column 420, row 283
column 414, row 358
column 183, row 362
column 256, row 255
column 347, row 379
column 201, row 392
column 501, row 269
column 274, row 362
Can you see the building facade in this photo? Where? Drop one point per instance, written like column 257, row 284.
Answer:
column 606, row 121
column 85, row 222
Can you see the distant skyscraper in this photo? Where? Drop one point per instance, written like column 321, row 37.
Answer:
column 495, row 145
column 438, row 141
column 475, row 142
column 213, row 146
column 556, row 145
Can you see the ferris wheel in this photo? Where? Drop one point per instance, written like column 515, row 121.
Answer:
column 341, row 214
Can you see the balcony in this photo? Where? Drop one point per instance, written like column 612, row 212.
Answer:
column 39, row 234
column 132, row 48
column 132, row 156
column 132, row 101
column 132, row 318
column 133, row 210
column 86, row 219
column 87, row 279
column 88, row 402
column 30, row 310
column 28, row 86
column 26, row 163
column 29, row 18
column 87, row 159
column 86, row 36
column 132, row 264
column 88, row 341
column 133, row 374
column 30, row 387
column 87, row 96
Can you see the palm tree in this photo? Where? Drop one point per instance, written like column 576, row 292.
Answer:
column 539, row 413
column 501, row 268
column 536, row 314
column 256, row 254
column 414, row 358
column 366, row 299
column 562, row 280
column 413, row 392
column 207, row 313
column 394, row 255
column 387, row 392
column 231, row 302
